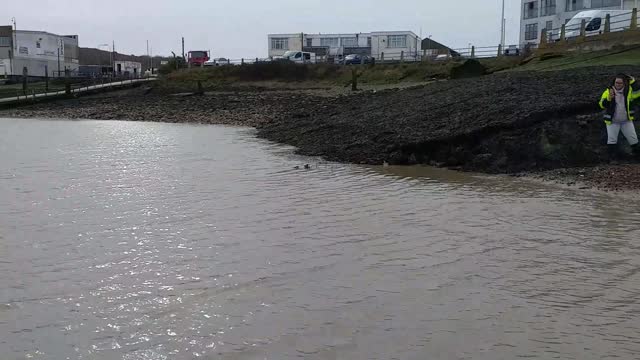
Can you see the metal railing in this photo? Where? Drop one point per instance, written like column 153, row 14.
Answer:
column 609, row 24
column 395, row 56
column 35, row 90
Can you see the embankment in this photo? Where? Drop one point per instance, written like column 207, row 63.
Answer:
column 502, row 123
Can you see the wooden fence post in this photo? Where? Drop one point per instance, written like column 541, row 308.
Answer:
column 543, row 38
column 607, row 24
column 67, row 82
column 25, row 80
column 634, row 19
column 46, row 79
column 402, row 56
column 563, row 33
column 583, row 28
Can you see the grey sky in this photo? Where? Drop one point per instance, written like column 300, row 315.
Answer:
column 238, row 29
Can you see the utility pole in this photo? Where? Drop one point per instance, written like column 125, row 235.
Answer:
column 58, row 58
column 149, row 56
column 15, row 35
column 14, row 49
column 502, row 24
column 183, row 49
column 113, row 58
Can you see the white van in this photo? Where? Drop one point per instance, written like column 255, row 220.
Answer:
column 595, row 19
column 300, row 57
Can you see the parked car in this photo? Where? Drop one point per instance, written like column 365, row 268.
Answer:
column 300, row 57
column 512, row 50
column 443, row 57
column 595, row 20
column 217, row 62
column 355, row 59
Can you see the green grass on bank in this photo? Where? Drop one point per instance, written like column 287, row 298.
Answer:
column 628, row 56
column 320, row 74
column 381, row 74
column 12, row 90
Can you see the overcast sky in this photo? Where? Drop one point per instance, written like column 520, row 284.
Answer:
column 238, row 29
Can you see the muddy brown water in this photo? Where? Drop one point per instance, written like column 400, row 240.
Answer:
column 133, row 240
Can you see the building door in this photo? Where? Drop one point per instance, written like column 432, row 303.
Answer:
column 119, row 67
column 3, row 71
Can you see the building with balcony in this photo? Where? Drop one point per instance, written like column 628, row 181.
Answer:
column 392, row 44
column 552, row 14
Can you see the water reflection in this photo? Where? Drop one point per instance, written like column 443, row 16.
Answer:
column 162, row 241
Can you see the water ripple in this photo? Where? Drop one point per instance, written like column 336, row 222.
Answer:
column 165, row 241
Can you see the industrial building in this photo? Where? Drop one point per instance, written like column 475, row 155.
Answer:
column 37, row 53
column 127, row 69
column 552, row 14
column 393, row 44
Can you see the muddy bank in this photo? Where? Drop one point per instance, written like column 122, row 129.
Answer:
column 502, row 123
column 243, row 108
column 615, row 178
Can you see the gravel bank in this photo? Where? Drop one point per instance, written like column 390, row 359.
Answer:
column 246, row 108
column 503, row 123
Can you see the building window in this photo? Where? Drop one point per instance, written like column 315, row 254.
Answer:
column 605, row 3
column 369, row 41
column 548, row 7
column 549, row 26
column 280, row 43
column 38, row 43
column 350, row 42
column 330, row 42
column 5, row 41
column 530, row 10
column 397, row 41
column 531, row 32
column 309, row 42
column 575, row 5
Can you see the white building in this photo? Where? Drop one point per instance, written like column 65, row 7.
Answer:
column 37, row 53
column 391, row 43
column 552, row 14
column 127, row 68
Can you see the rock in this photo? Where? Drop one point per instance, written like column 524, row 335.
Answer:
column 468, row 69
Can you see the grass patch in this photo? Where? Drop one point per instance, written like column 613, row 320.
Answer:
column 578, row 60
column 318, row 74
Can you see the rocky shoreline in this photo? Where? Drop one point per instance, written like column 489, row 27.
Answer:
column 534, row 122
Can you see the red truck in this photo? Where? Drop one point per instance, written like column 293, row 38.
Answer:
column 197, row 57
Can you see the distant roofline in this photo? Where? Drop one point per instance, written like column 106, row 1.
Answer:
column 344, row 34
column 43, row 32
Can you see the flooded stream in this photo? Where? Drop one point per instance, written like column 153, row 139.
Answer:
column 132, row 240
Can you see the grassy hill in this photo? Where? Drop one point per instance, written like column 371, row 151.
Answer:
column 625, row 56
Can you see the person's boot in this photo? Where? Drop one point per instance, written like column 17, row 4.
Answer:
column 612, row 152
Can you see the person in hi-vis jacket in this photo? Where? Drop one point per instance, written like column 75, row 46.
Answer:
column 618, row 102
